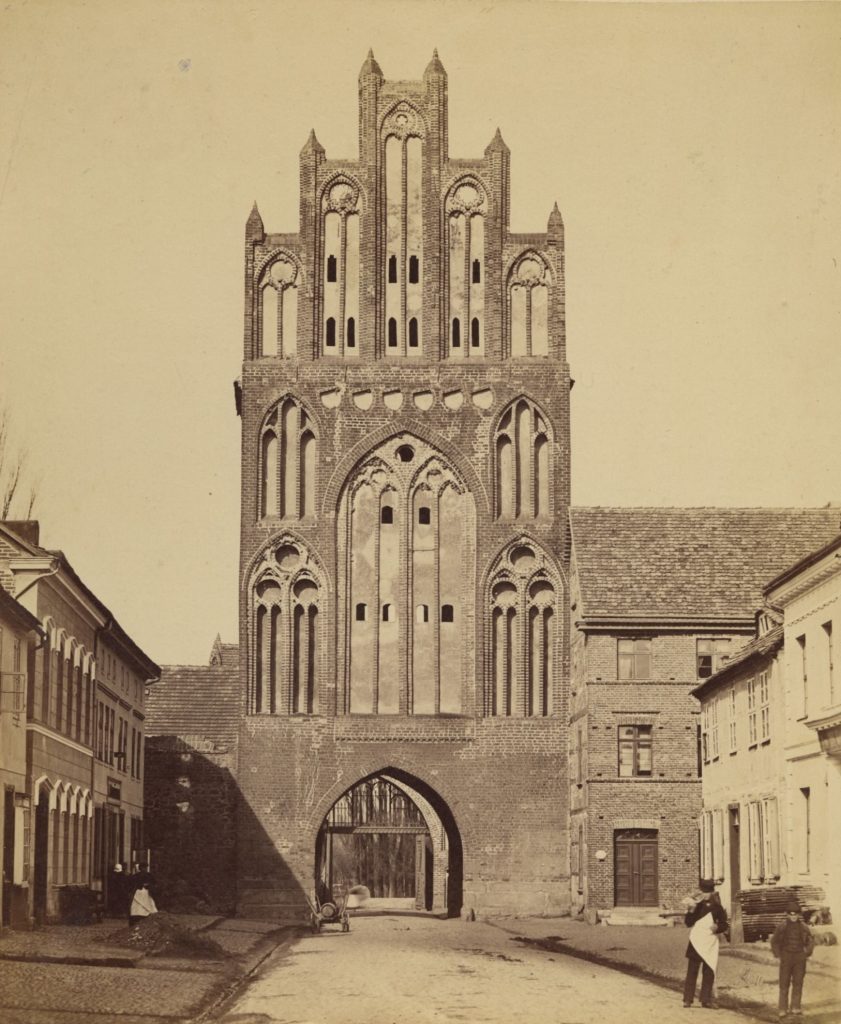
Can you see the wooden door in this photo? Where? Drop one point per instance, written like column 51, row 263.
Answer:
column 635, row 868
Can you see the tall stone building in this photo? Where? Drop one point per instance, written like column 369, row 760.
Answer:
column 405, row 449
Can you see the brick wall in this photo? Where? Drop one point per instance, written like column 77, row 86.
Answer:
column 498, row 785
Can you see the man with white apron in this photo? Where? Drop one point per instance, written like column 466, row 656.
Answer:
column 707, row 920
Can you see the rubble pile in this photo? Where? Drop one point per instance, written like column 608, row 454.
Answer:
column 161, row 935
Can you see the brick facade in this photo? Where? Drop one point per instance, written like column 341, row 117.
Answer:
column 681, row 582
column 493, row 783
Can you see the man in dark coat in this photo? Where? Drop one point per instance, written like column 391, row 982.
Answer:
column 792, row 943
column 707, row 919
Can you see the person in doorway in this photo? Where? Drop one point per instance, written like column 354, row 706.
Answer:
column 142, row 905
column 707, row 919
column 118, row 891
column 792, row 944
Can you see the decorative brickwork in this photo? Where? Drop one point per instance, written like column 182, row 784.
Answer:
column 430, row 365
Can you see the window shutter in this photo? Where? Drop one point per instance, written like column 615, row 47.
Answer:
column 718, row 846
column 755, row 842
column 772, row 840
column 706, row 845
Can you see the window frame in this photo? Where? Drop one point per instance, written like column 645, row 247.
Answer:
column 718, row 655
column 629, row 663
column 641, row 739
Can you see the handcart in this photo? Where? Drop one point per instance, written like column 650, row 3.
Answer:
column 332, row 911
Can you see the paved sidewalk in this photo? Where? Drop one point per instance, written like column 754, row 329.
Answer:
column 747, row 976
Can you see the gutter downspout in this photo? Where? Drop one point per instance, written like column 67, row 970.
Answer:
column 56, row 566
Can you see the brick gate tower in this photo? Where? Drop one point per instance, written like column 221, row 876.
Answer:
column 404, row 632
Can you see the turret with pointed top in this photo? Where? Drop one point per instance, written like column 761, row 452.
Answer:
column 555, row 227
column 370, row 83
column 497, row 145
column 370, row 68
column 312, row 145
column 434, row 69
column 254, row 230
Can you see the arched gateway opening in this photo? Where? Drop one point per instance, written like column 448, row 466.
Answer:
column 394, row 834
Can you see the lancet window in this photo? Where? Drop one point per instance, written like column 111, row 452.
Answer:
column 466, row 208
column 406, row 532
column 285, row 632
column 403, row 134
column 287, row 462
column 521, row 451
column 340, row 243
column 528, row 307
column 278, row 313
column 523, row 635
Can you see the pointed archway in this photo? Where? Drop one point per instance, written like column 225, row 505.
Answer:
column 394, row 834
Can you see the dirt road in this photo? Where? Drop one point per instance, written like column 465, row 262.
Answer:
column 418, row 970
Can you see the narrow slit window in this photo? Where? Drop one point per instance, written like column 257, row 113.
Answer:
column 477, row 272
column 413, row 333
column 387, row 514
column 351, row 333
column 388, row 613
column 422, row 613
column 331, row 268
column 361, row 612
column 456, row 333
column 474, row 332
column 392, row 332
column 424, row 515
column 447, row 613
column 331, row 332
column 414, row 270
column 392, row 270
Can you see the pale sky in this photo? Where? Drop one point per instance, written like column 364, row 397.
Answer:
column 694, row 151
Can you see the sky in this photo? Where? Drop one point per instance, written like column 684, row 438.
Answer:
column 694, row 150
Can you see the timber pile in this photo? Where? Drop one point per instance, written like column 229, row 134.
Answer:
column 763, row 909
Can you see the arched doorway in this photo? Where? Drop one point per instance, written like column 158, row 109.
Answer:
column 395, row 835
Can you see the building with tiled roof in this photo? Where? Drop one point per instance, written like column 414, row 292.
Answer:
column 669, row 564
column 193, row 717
column 660, row 598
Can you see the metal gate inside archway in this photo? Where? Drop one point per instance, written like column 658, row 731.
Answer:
column 388, row 836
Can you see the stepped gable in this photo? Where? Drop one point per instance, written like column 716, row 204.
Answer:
column 197, row 700
column 675, row 563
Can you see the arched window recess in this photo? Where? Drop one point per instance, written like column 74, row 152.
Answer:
column 529, row 284
column 285, row 647
column 402, row 134
column 278, row 278
column 522, row 447
column 287, row 461
column 466, row 206
column 523, row 596
column 340, row 207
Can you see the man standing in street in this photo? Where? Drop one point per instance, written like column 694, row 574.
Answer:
column 792, row 943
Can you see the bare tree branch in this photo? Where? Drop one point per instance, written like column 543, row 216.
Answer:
column 13, row 473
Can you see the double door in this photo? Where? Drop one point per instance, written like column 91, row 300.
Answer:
column 635, row 868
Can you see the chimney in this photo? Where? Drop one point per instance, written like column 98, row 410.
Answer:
column 28, row 530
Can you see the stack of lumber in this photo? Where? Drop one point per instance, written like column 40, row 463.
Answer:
column 763, row 909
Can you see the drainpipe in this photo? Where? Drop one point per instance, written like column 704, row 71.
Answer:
column 56, row 565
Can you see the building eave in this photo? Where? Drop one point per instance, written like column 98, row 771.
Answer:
column 660, row 624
